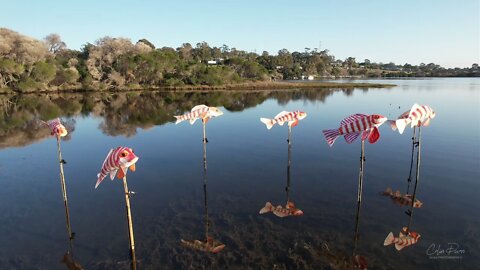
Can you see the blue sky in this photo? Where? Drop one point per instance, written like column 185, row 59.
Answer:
column 443, row 32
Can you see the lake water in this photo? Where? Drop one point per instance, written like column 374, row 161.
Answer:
column 247, row 166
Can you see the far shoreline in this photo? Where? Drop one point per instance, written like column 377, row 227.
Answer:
column 247, row 86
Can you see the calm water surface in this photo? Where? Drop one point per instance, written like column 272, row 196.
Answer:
column 246, row 167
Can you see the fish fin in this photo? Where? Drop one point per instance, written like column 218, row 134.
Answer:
column 374, row 135
column 393, row 124
column 267, row 208
column 205, row 120
column 268, row 122
column 198, row 107
column 397, row 193
column 331, row 135
column 112, row 174
column 365, row 134
column 351, row 137
column 178, row 119
column 426, row 123
column 218, row 248
column 290, row 205
column 280, row 114
column 192, row 121
column 401, row 124
column 399, row 247
column 389, row 240
column 121, row 173
column 132, row 167
column 293, row 123
column 352, row 118
column 281, row 122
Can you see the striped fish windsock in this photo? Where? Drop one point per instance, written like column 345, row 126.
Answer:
column 416, row 116
column 403, row 240
column 199, row 112
column 291, row 117
column 56, row 127
column 353, row 125
column 117, row 160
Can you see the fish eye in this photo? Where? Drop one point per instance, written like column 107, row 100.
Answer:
column 124, row 154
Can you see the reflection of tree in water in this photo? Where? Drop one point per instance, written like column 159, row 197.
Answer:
column 123, row 113
column 20, row 115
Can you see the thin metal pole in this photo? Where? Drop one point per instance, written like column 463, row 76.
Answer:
column 64, row 193
column 289, row 140
column 205, row 202
column 359, row 197
column 130, row 224
column 417, row 177
column 414, row 143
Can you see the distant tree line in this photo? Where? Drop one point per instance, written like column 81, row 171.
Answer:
column 29, row 65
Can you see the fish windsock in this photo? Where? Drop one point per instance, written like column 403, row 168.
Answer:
column 267, row 208
column 56, row 127
column 389, row 240
column 331, row 135
column 118, row 160
column 268, row 122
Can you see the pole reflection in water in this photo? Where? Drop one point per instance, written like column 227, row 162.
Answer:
column 289, row 209
column 209, row 244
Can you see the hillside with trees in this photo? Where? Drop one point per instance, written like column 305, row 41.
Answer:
column 30, row 65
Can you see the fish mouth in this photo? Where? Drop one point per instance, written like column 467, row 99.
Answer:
column 130, row 163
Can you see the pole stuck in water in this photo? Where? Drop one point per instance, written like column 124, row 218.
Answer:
column 205, row 202
column 130, row 224
column 414, row 143
column 359, row 196
column 289, row 141
column 417, row 177
column 64, row 193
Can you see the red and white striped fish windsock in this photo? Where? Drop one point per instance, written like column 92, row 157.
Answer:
column 56, row 127
column 416, row 116
column 352, row 126
column 199, row 112
column 118, row 160
column 291, row 117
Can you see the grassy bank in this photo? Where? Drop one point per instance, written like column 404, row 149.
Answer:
column 239, row 86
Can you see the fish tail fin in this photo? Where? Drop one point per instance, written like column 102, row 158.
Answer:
column 331, row 135
column 388, row 191
column 98, row 181
column 393, row 124
column 267, row 208
column 268, row 122
column 389, row 240
column 178, row 119
column 401, row 124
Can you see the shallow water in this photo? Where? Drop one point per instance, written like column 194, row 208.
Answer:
column 246, row 167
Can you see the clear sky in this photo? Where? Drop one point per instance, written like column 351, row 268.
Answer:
column 409, row 31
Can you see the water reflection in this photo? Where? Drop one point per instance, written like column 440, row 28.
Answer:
column 209, row 244
column 123, row 113
column 290, row 209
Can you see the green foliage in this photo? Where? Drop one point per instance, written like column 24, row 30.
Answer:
column 43, row 72
column 117, row 63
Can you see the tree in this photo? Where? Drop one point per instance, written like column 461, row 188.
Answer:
column 54, row 43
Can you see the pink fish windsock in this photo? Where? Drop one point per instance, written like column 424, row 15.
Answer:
column 403, row 240
column 352, row 126
column 56, row 127
column 117, row 160
column 199, row 112
column 416, row 116
column 284, row 116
